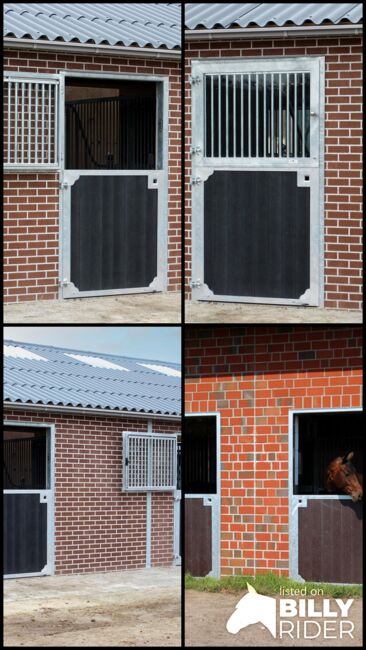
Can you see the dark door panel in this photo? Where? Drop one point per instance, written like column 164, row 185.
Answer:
column 198, row 537
column 25, row 534
column 330, row 541
column 256, row 234
column 113, row 232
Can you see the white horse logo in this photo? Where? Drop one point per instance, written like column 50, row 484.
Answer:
column 253, row 608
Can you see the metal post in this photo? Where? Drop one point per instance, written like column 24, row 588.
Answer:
column 272, row 116
column 16, row 90
column 295, row 115
column 288, row 116
column 148, row 508
column 9, row 120
column 264, row 115
column 241, row 116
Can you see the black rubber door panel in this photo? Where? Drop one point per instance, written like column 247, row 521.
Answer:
column 330, row 541
column 113, row 232
column 198, row 537
column 25, row 534
column 256, row 234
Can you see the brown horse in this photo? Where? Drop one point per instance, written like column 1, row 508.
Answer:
column 343, row 478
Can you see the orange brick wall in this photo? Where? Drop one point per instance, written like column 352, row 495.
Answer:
column 343, row 144
column 31, row 200
column 253, row 376
column 97, row 526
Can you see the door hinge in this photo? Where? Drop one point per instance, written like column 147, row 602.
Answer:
column 196, row 149
column 195, row 284
column 64, row 185
column 64, row 282
column 195, row 79
column 195, row 180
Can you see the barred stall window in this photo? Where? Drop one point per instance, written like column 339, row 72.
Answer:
column 257, row 115
column 31, row 122
column 149, row 462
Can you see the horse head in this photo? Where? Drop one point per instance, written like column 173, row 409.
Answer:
column 253, row 608
column 343, row 478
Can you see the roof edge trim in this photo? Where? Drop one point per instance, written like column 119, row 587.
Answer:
column 269, row 32
column 123, row 50
column 93, row 411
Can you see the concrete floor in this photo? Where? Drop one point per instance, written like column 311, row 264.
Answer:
column 131, row 308
column 26, row 591
column 226, row 312
column 122, row 608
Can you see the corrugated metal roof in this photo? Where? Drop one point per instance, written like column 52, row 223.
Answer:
column 41, row 374
column 224, row 15
column 129, row 24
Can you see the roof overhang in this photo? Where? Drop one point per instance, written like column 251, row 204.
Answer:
column 270, row 32
column 89, row 48
column 76, row 410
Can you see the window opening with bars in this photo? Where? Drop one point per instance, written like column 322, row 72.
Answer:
column 31, row 122
column 149, row 462
column 257, row 115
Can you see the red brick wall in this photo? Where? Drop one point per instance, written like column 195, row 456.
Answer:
column 31, row 200
column 343, row 142
column 97, row 526
column 253, row 376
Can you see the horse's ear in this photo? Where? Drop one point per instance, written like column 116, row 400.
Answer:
column 347, row 457
column 251, row 589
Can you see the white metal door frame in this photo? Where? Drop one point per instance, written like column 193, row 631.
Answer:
column 297, row 501
column 46, row 495
column 213, row 501
column 310, row 171
column 177, row 527
column 156, row 179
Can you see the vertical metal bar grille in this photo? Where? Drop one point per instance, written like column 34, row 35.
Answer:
column 264, row 115
column 280, row 117
column 249, row 117
column 287, row 115
column 149, row 462
column 295, row 114
column 241, row 117
column 31, row 126
column 255, row 115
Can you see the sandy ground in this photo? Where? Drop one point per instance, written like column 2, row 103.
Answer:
column 206, row 615
column 129, row 608
column 214, row 312
column 136, row 308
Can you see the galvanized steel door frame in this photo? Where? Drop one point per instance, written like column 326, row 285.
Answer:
column 48, row 495
column 312, row 167
column 177, row 527
column 156, row 179
column 213, row 500
column 297, row 501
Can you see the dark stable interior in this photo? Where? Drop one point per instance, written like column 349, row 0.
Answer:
column 25, row 458
column 199, row 455
column 322, row 438
column 110, row 124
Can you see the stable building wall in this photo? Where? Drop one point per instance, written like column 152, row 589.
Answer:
column 31, row 199
column 343, row 147
column 253, row 376
column 97, row 526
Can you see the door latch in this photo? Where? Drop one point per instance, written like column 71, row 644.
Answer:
column 195, row 284
column 195, row 79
